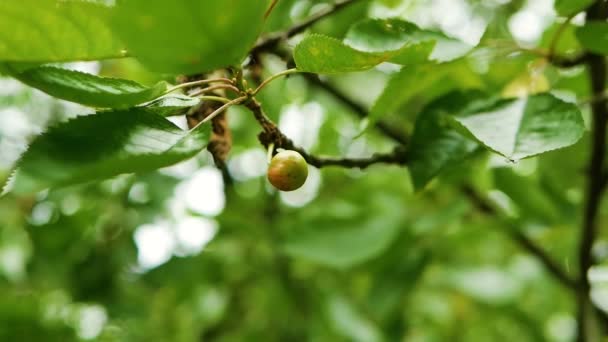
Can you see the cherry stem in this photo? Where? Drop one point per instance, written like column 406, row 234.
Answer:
column 274, row 77
column 560, row 30
column 270, row 152
column 221, row 109
column 216, row 87
column 214, row 98
column 196, row 83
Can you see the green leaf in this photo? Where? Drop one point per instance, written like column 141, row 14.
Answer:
column 348, row 320
column 104, row 145
column 525, row 127
column 567, row 44
column 380, row 35
column 435, row 144
column 55, row 31
column 185, row 36
column 372, row 42
column 343, row 243
column 341, row 247
column 528, row 194
column 594, row 36
column 569, row 7
column 528, row 83
column 172, row 104
column 89, row 89
column 401, row 87
column 327, row 55
column 428, row 80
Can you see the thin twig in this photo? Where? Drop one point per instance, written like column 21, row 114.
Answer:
column 270, row 41
column 214, row 98
column 558, row 34
column 272, row 78
column 216, row 87
column 198, row 82
column 270, row 8
column 522, row 240
column 553, row 58
column 587, row 101
column 221, row 109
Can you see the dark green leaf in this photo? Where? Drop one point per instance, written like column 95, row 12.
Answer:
column 55, row 31
column 89, row 89
column 341, row 247
column 527, row 194
column 594, row 36
column 567, row 43
column 185, row 36
column 525, row 127
column 344, row 243
column 104, row 145
column 421, row 79
column 435, row 143
column 569, row 7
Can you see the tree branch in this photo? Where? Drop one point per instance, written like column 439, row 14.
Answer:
column 517, row 236
column 523, row 241
column 272, row 135
column 596, row 65
column 270, row 41
column 361, row 163
column 568, row 61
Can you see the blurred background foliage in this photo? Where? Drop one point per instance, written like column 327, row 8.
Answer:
column 354, row 255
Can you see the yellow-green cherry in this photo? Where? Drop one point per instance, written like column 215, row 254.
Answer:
column 288, row 170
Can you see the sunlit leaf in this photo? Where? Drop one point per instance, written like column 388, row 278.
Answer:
column 55, row 31
column 327, row 55
column 372, row 42
column 351, row 323
column 172, row 104
column 528, row 83
column 104, row 145
column 89, row 89
column 525, row 127
column 380, row 35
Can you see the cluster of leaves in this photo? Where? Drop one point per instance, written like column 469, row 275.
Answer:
column 373, row 257
column 525, row 124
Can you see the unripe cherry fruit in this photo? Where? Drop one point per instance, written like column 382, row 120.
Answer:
column 288, row 170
